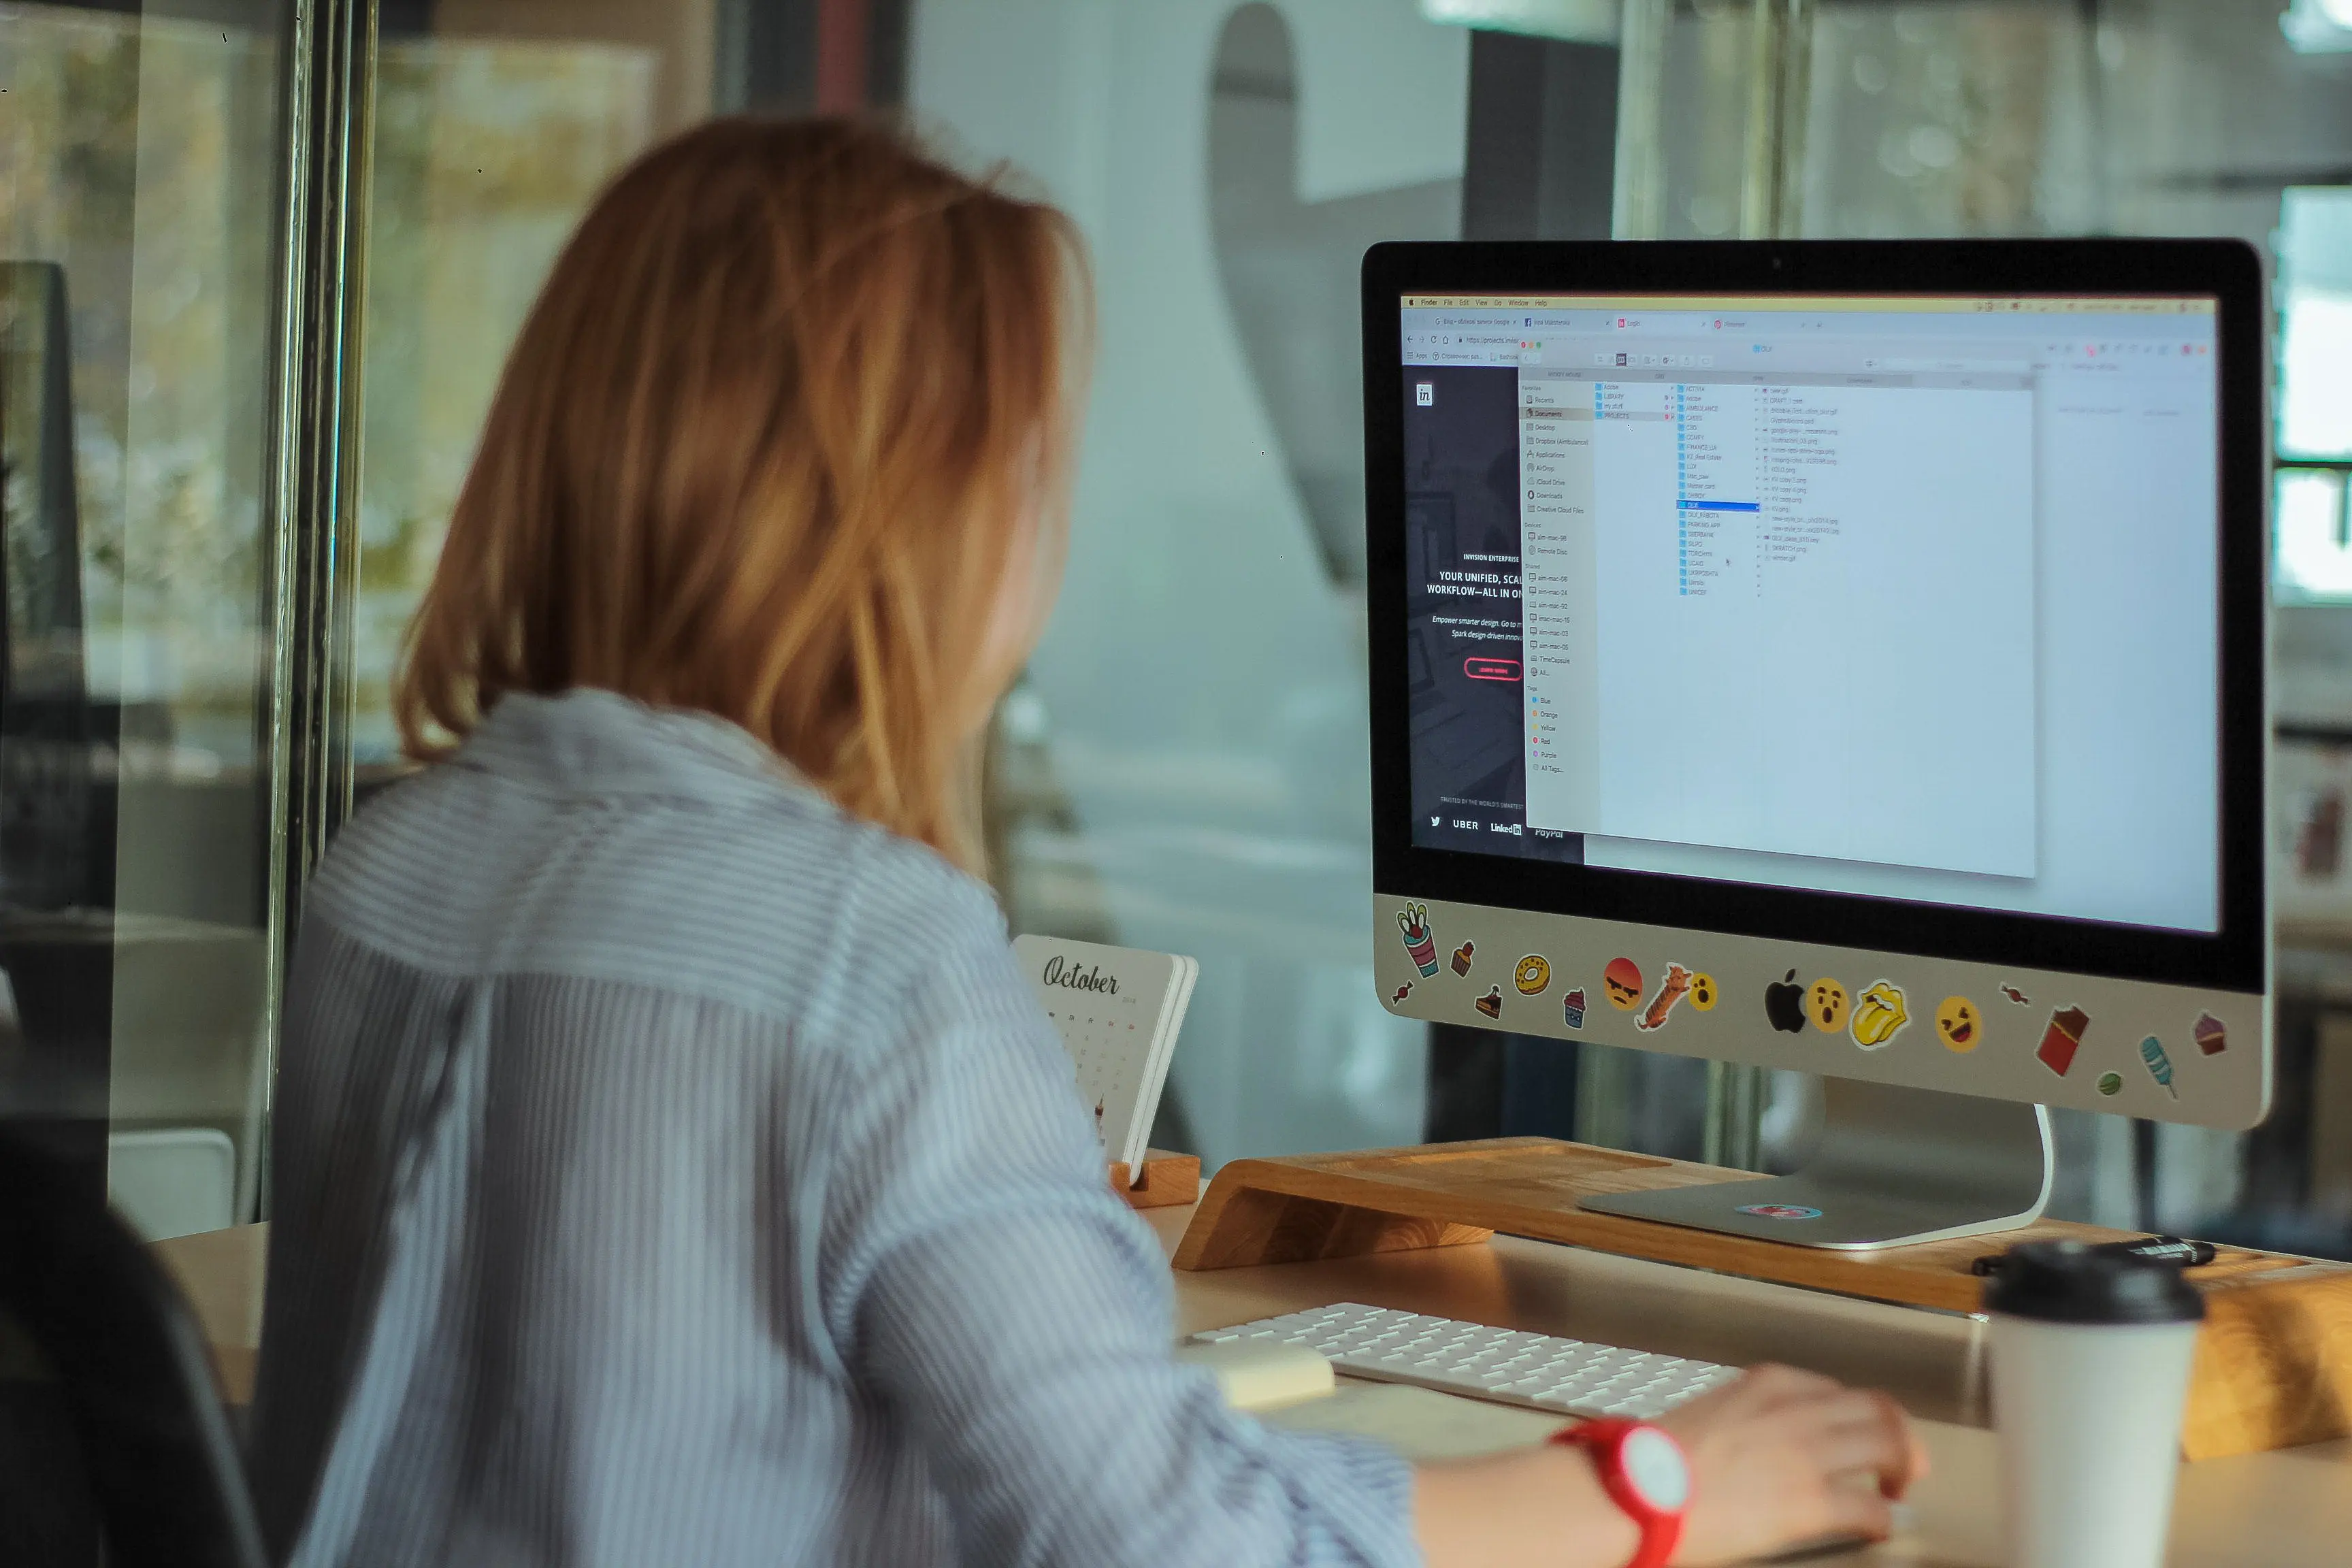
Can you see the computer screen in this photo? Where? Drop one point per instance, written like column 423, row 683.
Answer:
column 1911, row 595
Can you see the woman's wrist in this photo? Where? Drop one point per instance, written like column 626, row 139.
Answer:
column 1540, row 1505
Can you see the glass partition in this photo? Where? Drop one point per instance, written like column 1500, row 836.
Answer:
column 140, row 227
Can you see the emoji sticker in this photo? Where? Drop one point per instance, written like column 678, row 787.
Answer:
column 1784, row 1005
column 1673, row 989
column 2111, row 1083
column 1491, row 1003
column 1779, row 1211
column 2159, row 1066
column 1462, row 957
column 2014, row 995
column 1826, row 1007
column 2063, row 1038
column 1879, row 1015
column 1571, row 1008
column 1959, row 1025
column 1623, row 981
column 1396, row 998
column 1413, row 921
column 2212, row 1036
column 1532, row 975
column 1703, row 993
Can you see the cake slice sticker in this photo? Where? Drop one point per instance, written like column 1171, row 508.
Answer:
column 1491, row 1003
column 1671, row 990
column 1412, row 920
column 2159, row 1066
column 2212, row 1036
column 1879, row 1015
column 1571, row 1007
column 1462, row 958
column 2063, row 1038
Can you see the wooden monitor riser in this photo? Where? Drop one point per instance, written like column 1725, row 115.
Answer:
column 2273, row 1361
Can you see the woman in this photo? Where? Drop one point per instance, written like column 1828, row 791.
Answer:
column 671, row 1165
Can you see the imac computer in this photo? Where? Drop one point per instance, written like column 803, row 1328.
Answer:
column 1841, row 657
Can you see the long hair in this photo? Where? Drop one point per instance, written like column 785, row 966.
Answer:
column 784, row 433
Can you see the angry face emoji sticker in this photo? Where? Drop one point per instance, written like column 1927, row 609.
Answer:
column 1826, row 1005
column 1623, row 981
column 1878, row 1014
column 1958, row 1024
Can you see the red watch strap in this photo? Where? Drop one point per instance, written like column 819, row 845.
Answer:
column 1604, row 1439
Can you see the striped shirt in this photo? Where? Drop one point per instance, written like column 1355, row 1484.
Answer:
column 672, row 1169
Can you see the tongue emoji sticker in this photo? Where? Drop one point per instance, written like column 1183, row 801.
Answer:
column 1878, row 1014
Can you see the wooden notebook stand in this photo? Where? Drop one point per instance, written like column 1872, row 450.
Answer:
column 1168, row 1180
column 2273, row 1362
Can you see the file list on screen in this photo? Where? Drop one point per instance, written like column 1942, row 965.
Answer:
column 1910, row 597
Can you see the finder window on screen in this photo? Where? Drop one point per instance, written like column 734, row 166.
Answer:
column 1903, row 596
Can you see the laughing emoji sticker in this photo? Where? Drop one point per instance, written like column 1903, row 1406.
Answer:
column 1958, row 1024
column 1878, row 1014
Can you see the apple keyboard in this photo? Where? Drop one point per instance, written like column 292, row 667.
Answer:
column 1538, row 1371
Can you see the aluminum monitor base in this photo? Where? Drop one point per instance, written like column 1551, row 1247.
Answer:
column 1894, row 1166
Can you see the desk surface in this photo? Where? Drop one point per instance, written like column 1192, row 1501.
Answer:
column 2281, row 1510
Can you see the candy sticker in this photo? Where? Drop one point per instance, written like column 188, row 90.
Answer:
column 1673, row 989
column 1623, row 981
column 1571, row 1008
column 2111, row 1083
column 2212, row 1035
column 1396, row 998
column 1532, row 975
column 1413, row 921
column 2063, row 1038
column 1462, row 957
column 1879, row 1015
column 1959, row 1025
column 1491, row 1003
column 1703, row 993
column 1784, row 1005
column 1826, row 1006
column 2014, row 995
column 2159, row 1066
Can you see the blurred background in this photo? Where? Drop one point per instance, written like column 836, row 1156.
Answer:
column 226, row 481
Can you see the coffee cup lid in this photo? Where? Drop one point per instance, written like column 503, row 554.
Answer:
column 2070, row 1282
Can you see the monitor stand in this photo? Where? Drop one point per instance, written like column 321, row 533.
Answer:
column 1894, row 1166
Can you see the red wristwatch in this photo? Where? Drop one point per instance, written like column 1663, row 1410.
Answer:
column 1644, row 1472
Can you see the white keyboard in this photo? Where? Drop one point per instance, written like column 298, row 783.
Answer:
column 1535, row 1370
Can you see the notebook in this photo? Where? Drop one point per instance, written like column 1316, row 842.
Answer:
column 1118, row 1009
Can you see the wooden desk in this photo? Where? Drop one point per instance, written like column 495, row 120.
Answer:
column 2292, row 1509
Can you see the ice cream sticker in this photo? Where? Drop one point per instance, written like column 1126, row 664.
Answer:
column 2212, row 1036
column 1491, row 1003
column 2159, row 1066
column 1413, row 921
column 1879, row 1015
column 1463, row 956
column 1673, row 989
column 1532, row 975
column 2063, row 1038
column 1571, row 1008
column 1623, row 981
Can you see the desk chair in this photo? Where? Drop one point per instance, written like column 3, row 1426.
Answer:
column 163, row 1476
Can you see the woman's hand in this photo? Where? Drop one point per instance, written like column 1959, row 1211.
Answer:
column 1783, row 1457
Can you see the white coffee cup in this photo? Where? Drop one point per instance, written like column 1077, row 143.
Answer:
column 2090, row 1372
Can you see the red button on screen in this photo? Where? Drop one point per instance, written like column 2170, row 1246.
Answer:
column 1491, row 669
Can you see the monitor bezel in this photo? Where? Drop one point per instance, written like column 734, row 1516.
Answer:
column 2236, row 957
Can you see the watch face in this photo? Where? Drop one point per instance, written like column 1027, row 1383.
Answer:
column 1654, row 1464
